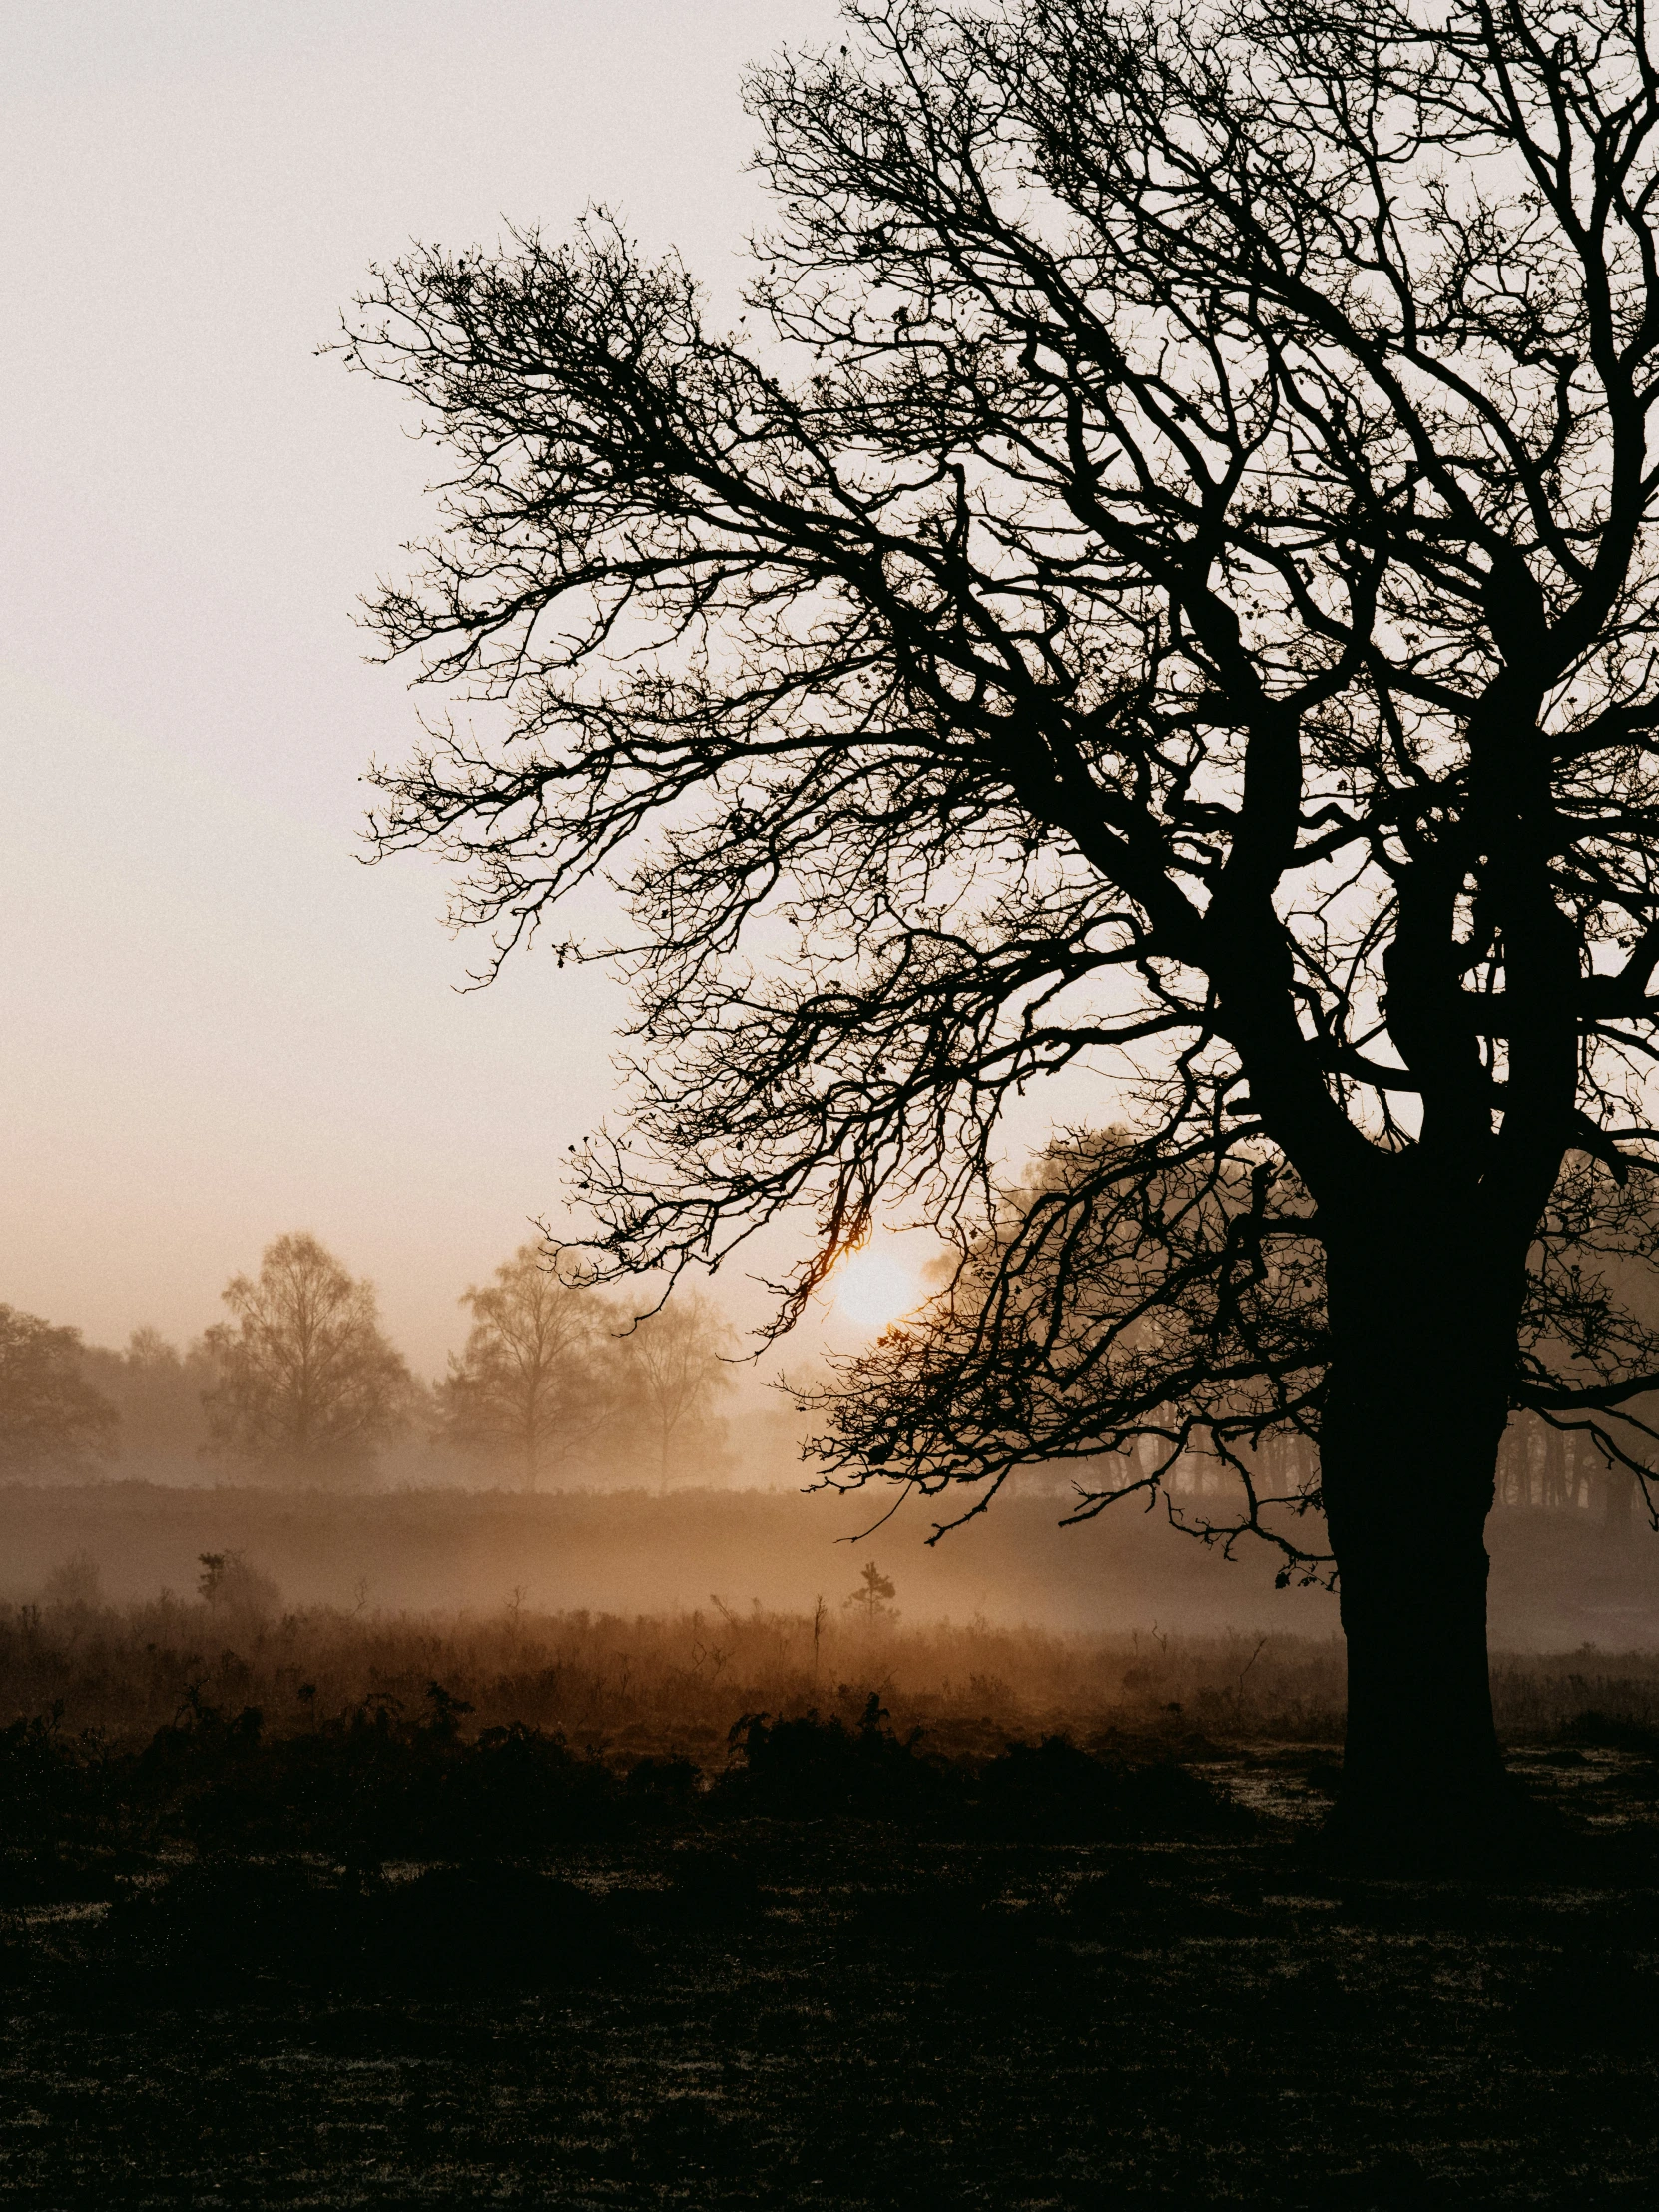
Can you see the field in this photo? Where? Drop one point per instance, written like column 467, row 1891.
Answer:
column 309, row 1907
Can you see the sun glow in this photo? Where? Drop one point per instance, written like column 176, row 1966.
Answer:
column 876, row 1289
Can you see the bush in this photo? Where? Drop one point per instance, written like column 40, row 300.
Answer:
column 231, row 1584
column 48, row 1782
column 813, row 1768
column 1053, row 1790
column 74, row 1585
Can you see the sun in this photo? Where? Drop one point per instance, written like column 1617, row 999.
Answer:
column 875, row 1289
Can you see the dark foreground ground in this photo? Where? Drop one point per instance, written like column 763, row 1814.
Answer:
column 837, row 1979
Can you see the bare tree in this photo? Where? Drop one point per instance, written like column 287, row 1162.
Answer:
column 672, row 1366
column 51, row 1417
column 307, row 1385
column 526, row 1383
column 1167, row 590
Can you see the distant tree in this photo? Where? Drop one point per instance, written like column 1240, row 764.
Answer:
column 873, row 1597
column 526, row 1385
column 157, row 1390
column 672, row 1367
column 51, row 1417
column 1168, row 589
column 306, row 1383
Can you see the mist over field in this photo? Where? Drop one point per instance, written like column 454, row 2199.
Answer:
column 1560, row 1579
column 573, row 1460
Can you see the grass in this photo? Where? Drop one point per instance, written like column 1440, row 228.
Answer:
column 672, row 1685
column 329, row 1907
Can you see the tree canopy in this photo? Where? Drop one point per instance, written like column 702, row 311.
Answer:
column 51, row 1417
column 1160, row 585
column 306, row 1383
column 671, row 1365
column 526, row 1384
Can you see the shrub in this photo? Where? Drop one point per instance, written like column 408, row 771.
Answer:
column 810, row 1768
column 228, row 1583
column 75, row 1584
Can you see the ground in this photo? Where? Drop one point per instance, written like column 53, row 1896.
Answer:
column 731, row 2008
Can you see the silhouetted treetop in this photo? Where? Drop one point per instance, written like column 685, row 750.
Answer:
column 670, row 1369
column 1176, row 373
column 157, row 1390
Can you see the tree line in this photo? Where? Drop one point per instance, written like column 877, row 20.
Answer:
column 299, row 1382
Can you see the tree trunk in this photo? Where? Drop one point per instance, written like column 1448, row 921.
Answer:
column 1416, row 1402
column 1422, row 1757
column 1552, row 1452
column 1619, row 1504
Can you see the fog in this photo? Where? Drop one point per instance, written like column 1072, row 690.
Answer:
column 1560, row 1582
column 220, row 1024
column 661, row 1477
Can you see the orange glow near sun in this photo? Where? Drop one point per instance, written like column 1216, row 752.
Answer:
column 875, row 1289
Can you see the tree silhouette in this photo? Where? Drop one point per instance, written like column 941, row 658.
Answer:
column 526, row 1381
column 873, row 1597
column 1165, row 594
column 230, row 1583
column 51, row 1417
column 308, row 1385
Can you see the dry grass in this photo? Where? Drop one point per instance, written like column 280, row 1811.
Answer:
column 675, row 1683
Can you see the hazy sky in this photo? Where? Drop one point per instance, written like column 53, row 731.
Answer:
column 216, row 1024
